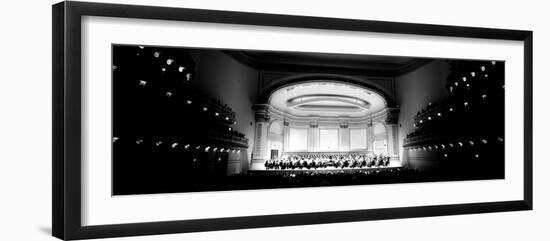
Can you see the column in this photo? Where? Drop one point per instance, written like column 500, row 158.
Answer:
column 391, row 131
column 370, row 137
column 313, row 137
column 286, row 135
column 343, row 141
column 260, row 151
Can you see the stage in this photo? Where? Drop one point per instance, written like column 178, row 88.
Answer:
column 325, row 170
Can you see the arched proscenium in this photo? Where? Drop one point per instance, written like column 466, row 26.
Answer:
column 263, row 111
column 267, row 91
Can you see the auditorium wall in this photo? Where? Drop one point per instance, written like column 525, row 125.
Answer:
column 220, row 76
column 414, row 91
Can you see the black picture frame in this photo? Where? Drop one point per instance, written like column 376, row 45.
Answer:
column 66, row 47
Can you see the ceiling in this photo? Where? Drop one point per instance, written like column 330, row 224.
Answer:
column 325, row 98
column 302, row 61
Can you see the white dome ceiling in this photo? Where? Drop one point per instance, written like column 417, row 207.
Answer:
column 326, row 99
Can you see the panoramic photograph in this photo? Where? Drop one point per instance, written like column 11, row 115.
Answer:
column 199, row 119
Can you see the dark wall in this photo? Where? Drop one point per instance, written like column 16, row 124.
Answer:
column 414, row 91
column 221, row 77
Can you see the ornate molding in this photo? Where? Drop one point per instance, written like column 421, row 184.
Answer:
column 261, row 112
column 392, row 116
column 286, row 122
column 369, row 123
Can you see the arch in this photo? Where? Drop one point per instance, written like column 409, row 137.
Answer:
column 305, row 78
column 275, row 127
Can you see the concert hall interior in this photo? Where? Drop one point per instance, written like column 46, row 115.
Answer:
column 195, row 119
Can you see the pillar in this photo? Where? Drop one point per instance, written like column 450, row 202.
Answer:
column 391, row 131
column 286, row 135
column 260, row 152
column 313, row 137
column 370, row 137
column 343, row 141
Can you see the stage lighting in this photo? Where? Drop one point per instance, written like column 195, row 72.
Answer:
column 163, row 69
column 451, row 145
column 445, row 155
column 139, row 141
column 483, row 96
column 476, row 155
column 420, row 121
column 464, row 79
column 222, row 149
column 181, row 69
column 465, row 103
column 174, row 145
column 456, row 83
column 208, row 148
column 198, row 147
column 115, row 139
column 429, row 118
column 226, row 118
column 473, row 74
column 158, row 143
column 217, row 114
column 500, row 139
column 471, row 143
column 467, row 85
column 188, row 77
column 414, row 125
column 486, row 76
column 194, row 159
column 114, row 67
column 450, row 109
column 482, row 68
column 168, row 94
column 493, row 62
column 230, row 129
column 438, row 114
column 142, row 83
column 156, row 54
column 460, row 144
column 169, row 61
column 215, row 149
column 189, row 102
column 442, row 146
column 141, row 47
column 484, row 141
column 204, row 108
column 238, row 150
column 187, row 146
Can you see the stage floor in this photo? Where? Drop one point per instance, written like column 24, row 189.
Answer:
column 324, row 170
